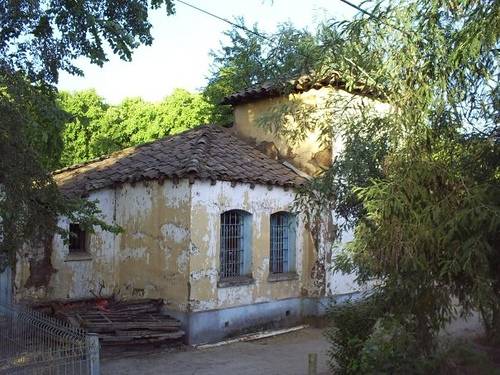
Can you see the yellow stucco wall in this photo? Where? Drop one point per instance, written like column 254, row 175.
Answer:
column 301, row 153
column 310, row 112
column 153, row 250
column 149, row 259
column 208, row 202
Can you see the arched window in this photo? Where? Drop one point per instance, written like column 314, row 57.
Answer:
column 282, row 257
column 235, row 244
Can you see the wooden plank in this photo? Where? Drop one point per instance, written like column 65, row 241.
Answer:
column 125, row 327
column 105, row 317
column 110, row 339
column 130, row 320
column 147, row 334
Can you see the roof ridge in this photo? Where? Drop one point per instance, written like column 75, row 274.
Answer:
column 299, row 84
column 84, row 163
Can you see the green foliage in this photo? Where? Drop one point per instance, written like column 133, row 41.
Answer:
column 26, row 189
column 44, row 119
column 430, row 223
column 82, row 135
column 37, row 40
column 97, row 128
column 248, row 59
column 182, row 110
column 421, row 181
column 43, row 37
column 466, row 357
column 29, row 199
column 392, row 348
column 352, row 323
column 367, row 339
column 431, row 232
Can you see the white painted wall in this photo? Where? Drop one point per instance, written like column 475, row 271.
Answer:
column 338, row 282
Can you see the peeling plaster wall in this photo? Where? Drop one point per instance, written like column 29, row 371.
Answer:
column 149, row 259
column 75, row 276
column 208, row 202
column 301, row 154
column 153, row 250
column 308, row 154
column 170, row 249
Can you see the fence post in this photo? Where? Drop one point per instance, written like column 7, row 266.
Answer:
column 313, row 364
column 93, row 352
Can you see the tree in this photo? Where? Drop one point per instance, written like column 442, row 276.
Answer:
column 37, row 40
column 426, row 211
column 183, row 110
column 180, row 111
column 251, row 58
column 86, row 111
column 95, row 128
column 42, row 38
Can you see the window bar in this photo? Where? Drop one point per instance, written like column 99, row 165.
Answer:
column 231, row 244
column 279, row 243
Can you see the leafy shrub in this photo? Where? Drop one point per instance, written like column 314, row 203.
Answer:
column 392, row 348
column 366, row 339
column 352, row 324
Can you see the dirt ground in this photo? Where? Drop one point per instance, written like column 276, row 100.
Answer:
column 284, row 354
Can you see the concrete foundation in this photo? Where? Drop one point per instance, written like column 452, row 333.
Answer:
column 210, row 326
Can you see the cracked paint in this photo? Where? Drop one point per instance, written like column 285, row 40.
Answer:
column 208, row 202
column 149, row 259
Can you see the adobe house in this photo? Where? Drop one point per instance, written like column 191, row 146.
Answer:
column 207, row 225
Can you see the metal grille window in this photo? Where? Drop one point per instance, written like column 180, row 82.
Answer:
column 77, row 239
column 282, row 243
column 234, row 243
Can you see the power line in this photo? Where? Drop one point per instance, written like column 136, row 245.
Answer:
column 358, row 8
column 225, row 20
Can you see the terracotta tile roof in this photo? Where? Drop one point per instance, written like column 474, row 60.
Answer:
column 206, row 152
column 305, row 83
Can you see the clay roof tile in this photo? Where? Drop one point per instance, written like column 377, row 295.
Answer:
column 207, row 151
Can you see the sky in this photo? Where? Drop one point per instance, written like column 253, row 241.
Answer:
column 179, row 56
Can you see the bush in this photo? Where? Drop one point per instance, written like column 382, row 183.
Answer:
column 366, row 339
column 392, row 348
column 352, row 324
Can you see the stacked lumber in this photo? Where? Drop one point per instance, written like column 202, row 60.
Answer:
column 124, row 322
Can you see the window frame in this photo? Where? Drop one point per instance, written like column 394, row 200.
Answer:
column 287, row 263
column 242, row 240
column 82, row 239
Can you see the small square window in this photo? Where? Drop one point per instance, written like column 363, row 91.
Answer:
column 77, row 239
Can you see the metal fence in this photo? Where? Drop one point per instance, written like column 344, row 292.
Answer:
column 32, row 343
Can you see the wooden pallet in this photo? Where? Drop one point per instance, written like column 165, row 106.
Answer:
column 127, row 323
